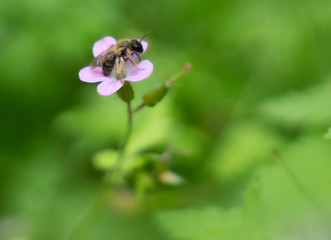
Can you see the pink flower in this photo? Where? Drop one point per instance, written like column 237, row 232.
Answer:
column 109, row 84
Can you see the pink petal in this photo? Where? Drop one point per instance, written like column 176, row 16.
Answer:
column 109, row 86
column 91, row 75
column 145, row 45
column 102, row 45
column 135, row 74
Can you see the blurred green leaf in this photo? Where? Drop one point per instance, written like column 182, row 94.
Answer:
column 304, row 108
column 252, row 198
column 244, row 147
column 286, row 207
column 252, row 211
column 328, row 134
column 144, row 182
column 207, row 223
column 151, row 129
column 106, row 159
column 94, row 124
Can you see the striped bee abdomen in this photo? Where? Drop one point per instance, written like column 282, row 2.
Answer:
column 108, row 65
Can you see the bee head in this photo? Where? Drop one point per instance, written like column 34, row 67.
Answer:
column 137, row 46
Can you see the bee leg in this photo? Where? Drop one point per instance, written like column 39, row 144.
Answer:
column 131, row 53
column 119, row 69
column 137, row 56
column 133, row 63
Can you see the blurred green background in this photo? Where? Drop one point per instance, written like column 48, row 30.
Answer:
column 245, row 129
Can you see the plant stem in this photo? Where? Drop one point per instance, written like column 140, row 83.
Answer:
column 128, row 132
column 138, row 108
column 121, row 156
column 126, row 95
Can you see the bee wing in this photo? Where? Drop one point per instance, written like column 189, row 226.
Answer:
column 98, row 60
column 108, row 54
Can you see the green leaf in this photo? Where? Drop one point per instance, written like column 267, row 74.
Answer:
column 245, row 146
column 252, row 198
column 152, row 129
column 144, row 182
column 208, row 223
column 307, row 107
column 300, row 210
column 95, row 124
column 105, row 160
column 251, row 210
column 328, row 134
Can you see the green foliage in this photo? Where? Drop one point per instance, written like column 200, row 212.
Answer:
column 308, row 159
column 305, row 108
column 328, row 134
column 302, row 206
column 240, row 151
column 207, row 223
column 259, row 85
column 251, row 211
column 106, row 159
column 152, row 128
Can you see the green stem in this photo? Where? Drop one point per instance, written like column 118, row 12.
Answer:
column 138, row 108
column 128, row 132
column 115, row 173
column 126, row 94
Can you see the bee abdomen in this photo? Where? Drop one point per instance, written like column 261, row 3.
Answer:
column 108, row 66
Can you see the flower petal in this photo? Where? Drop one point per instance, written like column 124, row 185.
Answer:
column 91, row 75
column 145, row 45
column 102, row 45
column 109, row 86
column 135, row 74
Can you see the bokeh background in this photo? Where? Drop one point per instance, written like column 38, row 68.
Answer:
column 242, row 136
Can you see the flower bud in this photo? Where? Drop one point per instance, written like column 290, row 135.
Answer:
column 153, row 97
column 171, row 178
column 187, row 67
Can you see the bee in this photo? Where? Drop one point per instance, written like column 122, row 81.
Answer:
column 116, row 55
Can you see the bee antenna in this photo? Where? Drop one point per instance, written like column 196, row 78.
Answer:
column 146, row 34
